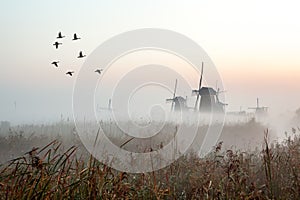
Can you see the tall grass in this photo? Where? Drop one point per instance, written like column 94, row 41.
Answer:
column 56, row 172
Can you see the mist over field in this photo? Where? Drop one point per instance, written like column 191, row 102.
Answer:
column 150, row 99
column 242, row 132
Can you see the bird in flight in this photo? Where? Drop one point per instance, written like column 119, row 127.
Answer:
column 60, row 36
column 81, row 55
column 55, row 63
column 98, row 71
column 56, row 44
column 75, row 37
column 70, row 73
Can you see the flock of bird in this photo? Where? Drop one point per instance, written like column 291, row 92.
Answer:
column 81, row 55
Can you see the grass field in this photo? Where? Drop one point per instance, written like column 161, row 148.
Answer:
column 60, row 170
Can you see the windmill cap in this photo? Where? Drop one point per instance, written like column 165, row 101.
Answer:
column 207, row 91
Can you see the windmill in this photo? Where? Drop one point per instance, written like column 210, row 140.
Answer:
column 174, row 95
column 259, row 110
column 109, row 108
column 178, row 102
column 197, row 92
column 218, row 91
column 220, row 106
column 209, row 98
column 109, row 104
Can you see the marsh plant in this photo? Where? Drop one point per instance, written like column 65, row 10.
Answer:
column 56, row 171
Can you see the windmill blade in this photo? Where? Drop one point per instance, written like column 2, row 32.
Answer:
column 200, row 85
column 218, row 101
column 219, row 92
column 196, row 104
column 175, row 88
column 170, row 100
column 218, row 89
column 217, row 97
column 174, row 94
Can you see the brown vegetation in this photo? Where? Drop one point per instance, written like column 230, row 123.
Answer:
column 53, row 173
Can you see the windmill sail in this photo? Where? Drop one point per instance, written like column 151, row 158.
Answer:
column 174, row 94
column 198, row 91
column 178, row 102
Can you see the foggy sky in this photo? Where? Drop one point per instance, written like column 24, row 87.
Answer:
column 255, row 46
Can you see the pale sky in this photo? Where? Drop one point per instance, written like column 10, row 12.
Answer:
column 254, row 44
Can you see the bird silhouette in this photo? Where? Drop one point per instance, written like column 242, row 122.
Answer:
column 70, row 73
column 75, row 37
column 56, row 44
column 60, row 36
column 55, row 63
column 81, row 55
column 98, row 71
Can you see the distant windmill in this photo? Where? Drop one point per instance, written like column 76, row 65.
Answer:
column 174, row 94
column 220, row 107
column 218, row 92
column 197, row 92
column 178, row 102
column 259, row 110
column 109, row 104
column 109, row 108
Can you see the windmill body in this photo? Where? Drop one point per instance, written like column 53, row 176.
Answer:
column 178, row 102
column 209, row 101
column 260, row 110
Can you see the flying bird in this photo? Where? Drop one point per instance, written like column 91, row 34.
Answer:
column 56, row 44
column 70, row 73
column 75, row 37
column 81, row 55
column 60, row 36
column 55, row 63
column 98, row 71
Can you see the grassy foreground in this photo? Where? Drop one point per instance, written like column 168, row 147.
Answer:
column 53, row 173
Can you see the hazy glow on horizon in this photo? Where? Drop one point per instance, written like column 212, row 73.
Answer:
column 144, row 61
column 254, row 44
